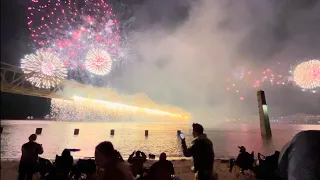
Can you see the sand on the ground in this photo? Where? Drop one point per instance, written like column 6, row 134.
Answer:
column 9, row 170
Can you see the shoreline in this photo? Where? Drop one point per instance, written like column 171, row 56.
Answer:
column 314, row 122
column 9, row 169
column 124, row 157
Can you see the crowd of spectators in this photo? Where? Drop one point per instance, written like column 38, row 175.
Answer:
column 298, row 160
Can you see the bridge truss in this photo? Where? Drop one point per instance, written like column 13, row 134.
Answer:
column 14, row 81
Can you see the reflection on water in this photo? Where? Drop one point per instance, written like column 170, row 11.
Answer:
column 130, row 136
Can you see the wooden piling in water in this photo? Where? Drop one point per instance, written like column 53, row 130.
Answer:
column 38, row 131
column 146, row 133
column 112, row 132
column 76, row 132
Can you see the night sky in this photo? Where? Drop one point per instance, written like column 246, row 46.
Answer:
column 15, row 43
column 266, row 43
column 14, row 37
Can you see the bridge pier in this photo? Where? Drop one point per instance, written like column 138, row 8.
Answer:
column 263, row 114
column 38, row 131
column 112, row 132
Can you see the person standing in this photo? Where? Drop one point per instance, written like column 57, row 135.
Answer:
column 201, row 151
column 29, row 158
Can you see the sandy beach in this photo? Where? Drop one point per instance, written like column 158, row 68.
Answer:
column 9, row 170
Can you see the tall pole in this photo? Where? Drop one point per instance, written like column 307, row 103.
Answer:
column 263, row 114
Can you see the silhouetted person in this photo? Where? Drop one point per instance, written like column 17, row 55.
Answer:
column 161, row 170
column 110, row 164
column 152, row 156
column 83, row 166
column 137, row 159
column 29, row 158
column 267, row 168
column 300, row 158
column 269, row 161
column 201, row 151
column 64, row 164
column 244, row 159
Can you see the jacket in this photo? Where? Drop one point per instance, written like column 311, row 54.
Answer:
column 30, row 152
column 201, row 151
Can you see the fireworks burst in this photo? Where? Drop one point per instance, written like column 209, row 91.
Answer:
column 307, row 74
column 71, row 29
column 98, row 62
column 43, row 69
column 68, row 110
column 84, row 109
column 243, row 81
column 239, row 72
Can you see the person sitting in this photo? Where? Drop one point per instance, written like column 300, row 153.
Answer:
column 29, row 163
column 244, row 160
column 267, row 167
column 137, row 159
column 161, row 170
column 109, row 164
column 269, row 161
column 64, row 164
column 45, row 168
column 83, row 166
column 152, row 156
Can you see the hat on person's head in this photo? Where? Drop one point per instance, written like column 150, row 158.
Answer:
column 197, row 128
column 242, row 148
column 33, row 137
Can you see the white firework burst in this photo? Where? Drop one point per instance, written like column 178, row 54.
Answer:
column 307, row 74
column 43, row 69
column 98, row 62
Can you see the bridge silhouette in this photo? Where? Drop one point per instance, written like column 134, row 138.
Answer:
column 14, row 81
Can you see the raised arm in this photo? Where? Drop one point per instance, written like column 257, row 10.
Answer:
column 144, row 157
column 130, row 159
column 187, row 152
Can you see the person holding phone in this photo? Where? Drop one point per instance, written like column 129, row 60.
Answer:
column 201, row 151
column 182, row 136
column 29, row 163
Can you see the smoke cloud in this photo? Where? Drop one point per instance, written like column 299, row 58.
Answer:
column 186, row 50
